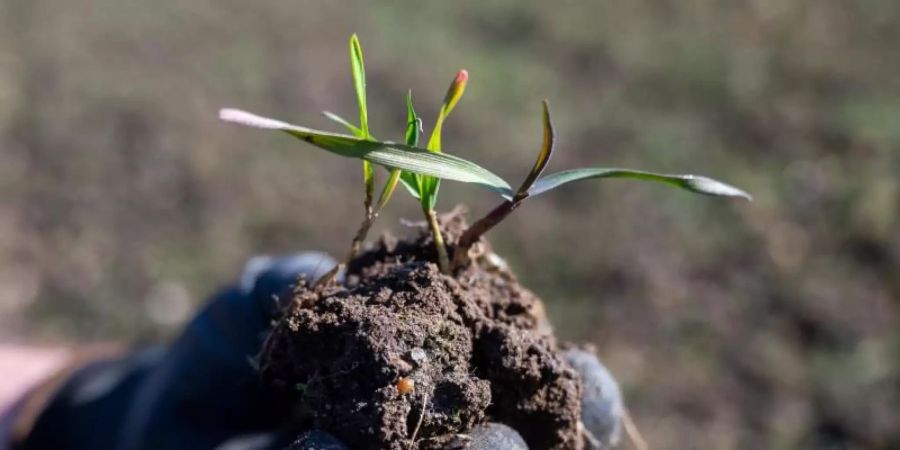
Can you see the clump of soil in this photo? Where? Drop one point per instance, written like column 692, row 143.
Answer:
column 403, row 356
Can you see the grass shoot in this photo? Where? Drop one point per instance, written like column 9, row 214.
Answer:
column 420, row 170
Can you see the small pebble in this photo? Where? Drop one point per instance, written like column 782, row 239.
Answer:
column 601, row 399
column 491, row 436
column 418, row 355
column 496, row 261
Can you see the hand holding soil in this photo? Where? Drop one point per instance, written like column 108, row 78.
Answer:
column 203, row 392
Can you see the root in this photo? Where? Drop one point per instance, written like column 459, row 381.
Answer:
column 412, row 440
column 632, row 431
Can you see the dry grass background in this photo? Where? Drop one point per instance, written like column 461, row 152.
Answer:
column 731, row 326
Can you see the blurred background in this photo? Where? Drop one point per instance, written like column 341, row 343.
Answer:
column 731, row 325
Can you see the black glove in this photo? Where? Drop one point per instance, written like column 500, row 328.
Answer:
column 198, row 393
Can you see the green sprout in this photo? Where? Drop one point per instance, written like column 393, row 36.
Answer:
column 422, row 187
column 421, row 169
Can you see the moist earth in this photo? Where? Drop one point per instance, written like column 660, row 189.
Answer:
column 402, row 356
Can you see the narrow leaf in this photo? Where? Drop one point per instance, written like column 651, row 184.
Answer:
column 413, row 123
column 411, row 181
column 693, row 183
column 543, row 156
column 359, row 83
column 388, row 190
column 388, row 154
column 430, row 186
column 340, row 120
column 454, row 93
column 413, row 128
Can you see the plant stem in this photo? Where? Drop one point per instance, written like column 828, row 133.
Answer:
column 483, row 225
column 355, row 247
column 439, row 246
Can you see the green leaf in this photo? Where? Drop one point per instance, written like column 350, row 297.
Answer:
column 388, row 154
column 388, row 190
column 544, row 155
column 349, row 126
column 359, row 83
column 411, row 181
column 451, row 98
column 693, row 183
column 413, row 128
column 430, row 186
column 413, row 123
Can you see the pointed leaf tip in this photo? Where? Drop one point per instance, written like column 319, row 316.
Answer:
column 358, row 68
column 709, row 186
column 251, row 120
column 544, row 154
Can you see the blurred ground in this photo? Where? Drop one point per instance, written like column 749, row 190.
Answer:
column 123, row 201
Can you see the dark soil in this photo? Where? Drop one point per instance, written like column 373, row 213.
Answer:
column 476, row 347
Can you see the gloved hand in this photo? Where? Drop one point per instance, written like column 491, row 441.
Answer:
column 200, row 392
column 203, row 391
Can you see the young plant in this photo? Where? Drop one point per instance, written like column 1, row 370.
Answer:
column 428, row 186
column 423, row 187
column 421, row 169
column 358, row 69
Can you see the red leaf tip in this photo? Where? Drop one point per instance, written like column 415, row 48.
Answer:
column 462, row 76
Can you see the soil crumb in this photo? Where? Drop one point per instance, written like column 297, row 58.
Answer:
column 402, row 356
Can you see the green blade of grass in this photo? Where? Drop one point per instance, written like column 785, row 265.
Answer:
column 388, row 154
column 451, row 98
column 413, row 129
column 359, row 83
column 411, row 181
column 429, row 187
column 693, row 183
column 413, row 123
column 388, row 190
column 353, row 129
column 544, row 155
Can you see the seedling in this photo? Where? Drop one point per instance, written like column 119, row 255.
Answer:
column 422, row 187
column 421, row 169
